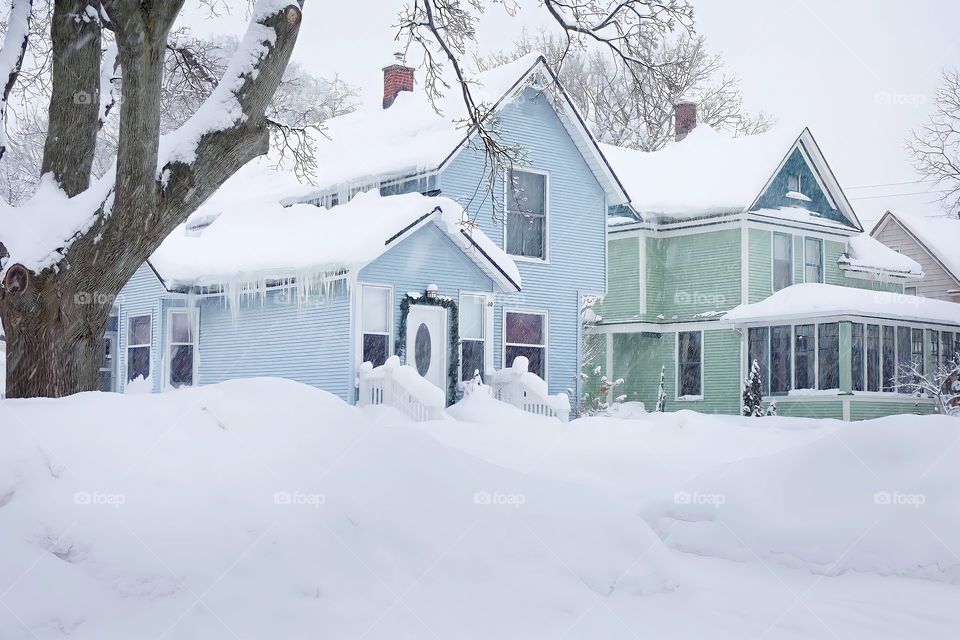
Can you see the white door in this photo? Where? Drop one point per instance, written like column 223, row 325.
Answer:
column 427, row 343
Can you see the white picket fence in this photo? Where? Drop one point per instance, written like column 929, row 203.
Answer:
column 528, row 391
column 401, row 387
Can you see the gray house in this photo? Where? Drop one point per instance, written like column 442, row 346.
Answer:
column 934, row 242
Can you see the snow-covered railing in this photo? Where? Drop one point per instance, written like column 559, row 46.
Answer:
column 401, row 387
column 528, row 391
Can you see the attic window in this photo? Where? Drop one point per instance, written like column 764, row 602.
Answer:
column 794, row 183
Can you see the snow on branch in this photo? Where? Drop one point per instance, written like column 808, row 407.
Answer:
column 11, row 56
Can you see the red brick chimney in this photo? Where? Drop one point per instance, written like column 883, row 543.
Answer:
column 396, row 78
column 684, row 119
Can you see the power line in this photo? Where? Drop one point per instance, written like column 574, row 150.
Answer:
column 886, row 184
column 898, row 195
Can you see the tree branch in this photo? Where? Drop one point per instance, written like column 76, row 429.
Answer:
column 11, row 56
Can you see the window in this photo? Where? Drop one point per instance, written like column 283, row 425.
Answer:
column 916, row 351
column 935, row 348
column 812, row 260
column 105, row 374
column 758, row 349
column 889, row 359
column 782, row 261
column 526, row 336
column 795, row 183
column 856, row 356
column 473, row 315
column 376, row 306
column 527, row 214
column 689, row 364
column 828, row 356
column 804, row 367
column 873, row 357
column 780, row 359
column 946, row 347
column 139, row 331
column 903, row 356
column 181, row 351
column 910, row 291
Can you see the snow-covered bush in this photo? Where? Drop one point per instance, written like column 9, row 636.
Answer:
column 753, row 393
column 661, row 394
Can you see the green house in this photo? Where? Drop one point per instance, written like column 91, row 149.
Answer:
column 740, row 249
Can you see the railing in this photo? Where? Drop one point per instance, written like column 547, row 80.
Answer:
column 401, row 387
column 527, row 391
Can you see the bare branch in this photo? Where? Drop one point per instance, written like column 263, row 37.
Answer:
column 11, row 56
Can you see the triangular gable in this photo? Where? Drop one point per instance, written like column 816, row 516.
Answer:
column 827, row 196
column 572, row 122
column 890, row 216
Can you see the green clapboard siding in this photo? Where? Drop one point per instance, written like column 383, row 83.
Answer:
column 693, row 274
column 623, row 288
column 867, row 410
column 761, row 265
column 798, row 408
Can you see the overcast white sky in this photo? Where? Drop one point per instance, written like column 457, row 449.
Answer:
column 859, row 73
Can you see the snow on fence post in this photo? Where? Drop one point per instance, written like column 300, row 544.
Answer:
column 528, row 391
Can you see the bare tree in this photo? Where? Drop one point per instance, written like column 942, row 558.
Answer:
column 936, row 145
column 630, row 104
column 942, row 384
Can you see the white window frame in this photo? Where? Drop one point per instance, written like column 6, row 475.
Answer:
column 391, row 315
column 546, row 213
column 676, row 376
column 799, row 177
column 907, row 288
column 546, row 337
column 168, row 344
column 773, row 260
column 488, row 303
column 823, row 266
column 128, row 345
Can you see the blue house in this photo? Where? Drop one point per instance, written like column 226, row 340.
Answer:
column 410, row 246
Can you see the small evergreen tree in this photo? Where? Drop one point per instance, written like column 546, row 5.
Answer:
column 753, row 393
column 661, row 394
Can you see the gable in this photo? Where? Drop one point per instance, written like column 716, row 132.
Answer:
column 938, row 277
column 780, row 193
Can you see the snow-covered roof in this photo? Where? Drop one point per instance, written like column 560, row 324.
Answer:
column 709, row 172
column 940, row 235
column 814, row 301
column 254, row 239
column 868, row 255
column 412, row 137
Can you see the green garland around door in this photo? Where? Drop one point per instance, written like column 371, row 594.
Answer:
column 453, row 318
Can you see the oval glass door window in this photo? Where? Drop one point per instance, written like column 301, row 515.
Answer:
column 422, row 349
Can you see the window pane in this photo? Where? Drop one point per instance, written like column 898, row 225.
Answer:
column 525, row 235
column 904, row 338
column 829, row 356
column 472, row 359
column 181, row 365
column 782, row 261
column 525, row 328
column 757, row 349
column 138, row 330
column 375, row 348
column 935, row 348
column 471, row 317
column 534, row 354
column 688, row 358
column 873, row 357
column 780, row 359
column 180, row 328
column 527, row 192
column 916, row 351
column 376, row 309
column 813, row 257
column 804, row 365
column 138, row 363
column 889, row 358
column 856, row 356
column 946, row 347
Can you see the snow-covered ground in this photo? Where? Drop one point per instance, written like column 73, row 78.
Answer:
column 268, row 509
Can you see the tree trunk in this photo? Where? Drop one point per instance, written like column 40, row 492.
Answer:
column 54, row 338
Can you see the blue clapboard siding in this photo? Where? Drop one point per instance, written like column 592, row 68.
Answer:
column 277, row 337
column 141, row 295
column 576, row 228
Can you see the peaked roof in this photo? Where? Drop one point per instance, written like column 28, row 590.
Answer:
column 248, row 238
column 709, row 172
column 938, row 235
column 412, row 137
column 866, row 254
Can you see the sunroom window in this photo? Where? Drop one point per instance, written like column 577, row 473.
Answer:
column 758, row 350
column 828, row 356
column 780, row 356
column 804, row 354
column 526, row 335
column 873, row 357
column 526, row 232
column 376, row 303
column 889, row 359
column 856, row 356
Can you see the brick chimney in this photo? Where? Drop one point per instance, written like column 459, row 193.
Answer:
column 396, row 78
column 684, row 119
